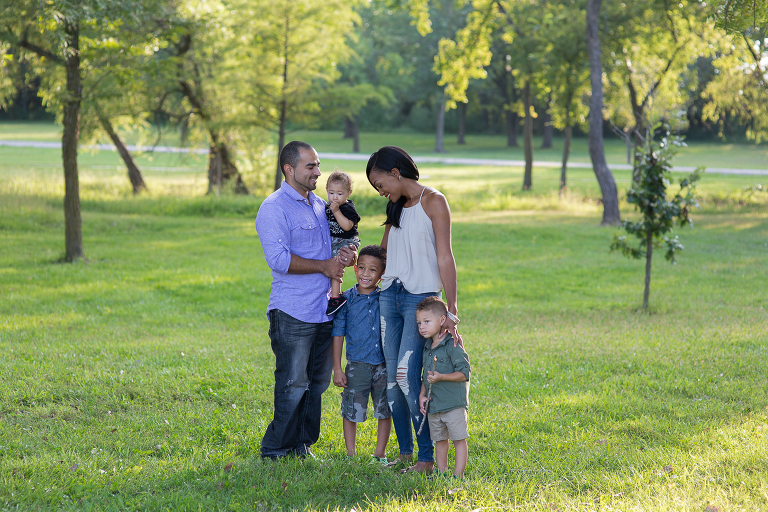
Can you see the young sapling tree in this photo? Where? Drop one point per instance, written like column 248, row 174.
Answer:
column 659, row 212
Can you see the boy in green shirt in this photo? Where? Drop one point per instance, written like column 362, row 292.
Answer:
column 445, row 385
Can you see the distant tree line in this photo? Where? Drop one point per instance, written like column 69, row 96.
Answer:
column 238, row 75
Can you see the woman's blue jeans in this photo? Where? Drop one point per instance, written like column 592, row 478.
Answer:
column 403, row 347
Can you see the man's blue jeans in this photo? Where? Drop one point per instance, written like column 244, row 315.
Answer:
column 403, row 347
column 303, row 364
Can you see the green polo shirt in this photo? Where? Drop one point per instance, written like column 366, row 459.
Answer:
column 445, row 358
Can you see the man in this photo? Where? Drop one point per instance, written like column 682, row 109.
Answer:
column 296, row 239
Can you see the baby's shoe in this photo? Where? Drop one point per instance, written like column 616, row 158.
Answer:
column 334, row 304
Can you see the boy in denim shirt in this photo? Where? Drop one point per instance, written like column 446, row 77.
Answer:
column 358, row 321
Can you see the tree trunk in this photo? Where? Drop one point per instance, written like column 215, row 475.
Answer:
column 628, row 141
column 462, row 123
column 221, row 169
column 638, row 113
column 511, row 119
column 73, row 233
column 440, row 125
column 648, row 255
column 348, row 128
column 356, row 135
column 528, row 136
column 134, row 174
column 611, row 216
column 566, row 153
column 549, row 129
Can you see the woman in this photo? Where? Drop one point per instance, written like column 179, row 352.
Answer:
column 417, row 236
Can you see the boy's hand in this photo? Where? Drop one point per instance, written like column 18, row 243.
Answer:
column 433, row 377
column 423, row 404
column 334, row 206
column 339, row 379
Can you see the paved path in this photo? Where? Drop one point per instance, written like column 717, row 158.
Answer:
column 418, row 159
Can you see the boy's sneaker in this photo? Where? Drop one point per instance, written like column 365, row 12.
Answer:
column 334, row 304
column 378, row 461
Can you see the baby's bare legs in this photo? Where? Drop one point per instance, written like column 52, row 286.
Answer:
column 336, row 283
column 462, row 453
column 335, row 287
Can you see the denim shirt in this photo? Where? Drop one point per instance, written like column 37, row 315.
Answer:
column 358, row 320
column 289, row 224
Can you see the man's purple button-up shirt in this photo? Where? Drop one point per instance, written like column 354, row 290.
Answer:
column 289, row 224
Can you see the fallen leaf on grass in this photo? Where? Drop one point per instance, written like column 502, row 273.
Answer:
column 454, row 491
column 73, row 467
column 229, row 466
column 711, row 508
column 669, row 469
column 602, row 441
column 285, row 485
column 114, row 430
column 14, row 471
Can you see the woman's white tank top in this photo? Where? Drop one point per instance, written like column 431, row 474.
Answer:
column 412, row 253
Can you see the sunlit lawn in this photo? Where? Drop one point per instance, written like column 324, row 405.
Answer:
column 133, row 380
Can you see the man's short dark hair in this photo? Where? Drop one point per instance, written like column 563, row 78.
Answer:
column 433, row 304
column 376, row 251
column 291, row 153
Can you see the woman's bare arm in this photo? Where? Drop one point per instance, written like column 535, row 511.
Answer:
column 436, row 207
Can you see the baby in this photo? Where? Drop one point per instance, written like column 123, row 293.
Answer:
column 342, row 221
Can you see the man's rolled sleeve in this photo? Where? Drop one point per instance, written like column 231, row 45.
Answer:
column 275, row 237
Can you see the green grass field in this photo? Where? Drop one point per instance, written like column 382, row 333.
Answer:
column 140, row 379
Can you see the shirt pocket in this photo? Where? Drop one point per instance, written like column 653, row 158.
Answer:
column 443, row 365
column 305, row 237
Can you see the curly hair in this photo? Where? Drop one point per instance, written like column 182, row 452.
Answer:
column 338, row 176
column 434, row 304
column 376, row 251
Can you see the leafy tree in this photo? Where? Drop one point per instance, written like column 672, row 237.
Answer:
column 739, row 90
column 289, row 53
column 60, row 35
column 194, row 85
column 347, row 100
column 649, row 61
column 454, row 44
column 742, row 67
column 604, row 176
column 659, row 213
column 567, row 73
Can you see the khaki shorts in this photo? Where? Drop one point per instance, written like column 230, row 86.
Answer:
column 449, row 425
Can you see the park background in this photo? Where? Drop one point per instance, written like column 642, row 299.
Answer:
column 135, row 368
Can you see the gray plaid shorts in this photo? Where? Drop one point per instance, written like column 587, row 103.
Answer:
column 338, row 243
column 365, row 379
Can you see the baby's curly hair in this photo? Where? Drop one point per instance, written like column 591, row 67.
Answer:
column 434, row 304
column 341, row 177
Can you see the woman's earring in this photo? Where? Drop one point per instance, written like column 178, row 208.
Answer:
column 399, row 178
